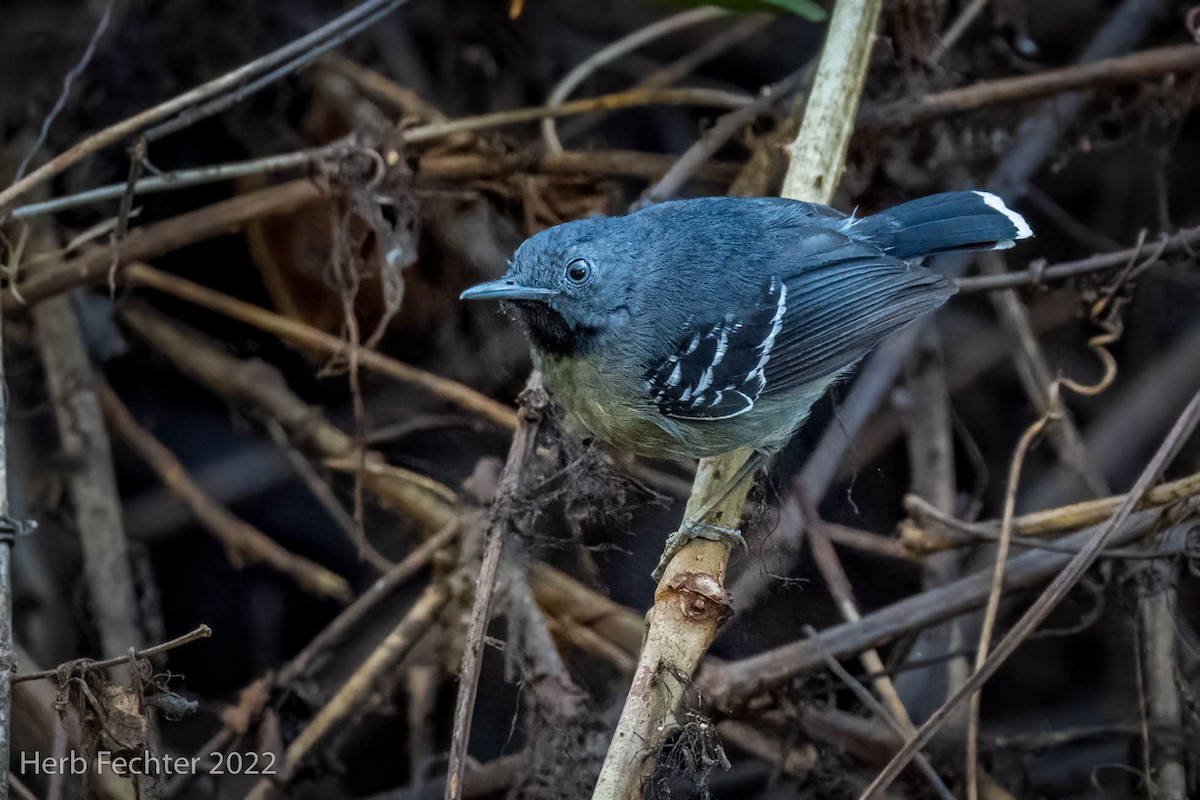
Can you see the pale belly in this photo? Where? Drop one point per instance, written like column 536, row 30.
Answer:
column 611, row 408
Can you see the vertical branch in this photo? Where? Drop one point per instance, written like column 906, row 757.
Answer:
column 8, row 656
column 533, row 402
column 930, row 441
column 689, row 606
column 691, row 602
column 1183, row 428
column 819, row 150
column 91, row 483
column 1036, row 378
column 1163, row 708
column 993, row 603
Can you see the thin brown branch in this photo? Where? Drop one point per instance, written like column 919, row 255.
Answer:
column 378, row 668
column 380, row 88
column 997, row 590
column 292, row 54
column 956, row 29
column 431, row 168
column 1163, row 705
column 91, row 482
column 533, row 403
column 1186, row 241
column 734, row 683
column 8, row 531
column 630, row 98
column 164, row 237
column 614, row 50
column 302, row 334
column 929, row 525
column 574, row 604
column 1052, row 595
column 867, row 542
column 243, row 542
column 435, row 167
column 185, row 178
column 1133, row 68
column 86, row 664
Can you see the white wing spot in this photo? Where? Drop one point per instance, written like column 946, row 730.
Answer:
column 676, row 375
column 759, row 372
column 722, row 347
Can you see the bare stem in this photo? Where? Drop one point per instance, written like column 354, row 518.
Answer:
column 1050, row 598
column 691, row 601
column 85, row 665
column 291, row 55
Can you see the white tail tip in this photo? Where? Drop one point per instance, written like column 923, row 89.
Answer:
column 994, row 201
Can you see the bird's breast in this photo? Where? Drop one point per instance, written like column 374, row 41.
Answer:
column 604, row 402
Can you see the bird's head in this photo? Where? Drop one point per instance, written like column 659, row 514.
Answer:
column 566, row 286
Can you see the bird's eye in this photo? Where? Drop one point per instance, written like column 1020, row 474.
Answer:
column 578, row 271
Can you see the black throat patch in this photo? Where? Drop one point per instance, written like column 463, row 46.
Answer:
column 548, row 331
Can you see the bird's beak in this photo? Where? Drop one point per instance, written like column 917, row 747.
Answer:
column 506, row 289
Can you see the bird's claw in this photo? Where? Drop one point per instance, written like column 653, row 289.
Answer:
column 695, row 530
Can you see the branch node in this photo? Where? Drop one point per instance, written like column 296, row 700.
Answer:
column 700, row 597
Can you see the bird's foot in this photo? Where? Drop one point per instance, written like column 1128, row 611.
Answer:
column 695, row 530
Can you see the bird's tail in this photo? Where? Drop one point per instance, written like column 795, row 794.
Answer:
column 943, row 223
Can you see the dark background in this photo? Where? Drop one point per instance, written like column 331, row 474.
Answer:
column 1129, row 163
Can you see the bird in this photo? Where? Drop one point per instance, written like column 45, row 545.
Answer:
column 696, row 327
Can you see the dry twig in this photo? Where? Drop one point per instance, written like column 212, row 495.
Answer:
column 241, row 80
column 1162, row 705
column 379, row 667
column 1054, row 593
column 159, row 239
column 533, row 403
column 91, row 481
column 86, row 664
column 302, row 334
column 734, row 683
column 243, row 542
column 691, row 601
column 997, row 589
column 8, row 531
column 929, row 524
column 613, row 51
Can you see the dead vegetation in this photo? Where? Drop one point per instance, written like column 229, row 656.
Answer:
column 243, row 400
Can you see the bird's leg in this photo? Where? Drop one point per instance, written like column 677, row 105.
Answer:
column 697, row 528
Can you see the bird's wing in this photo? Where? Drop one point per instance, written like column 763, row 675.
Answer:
column 822, row 312
column 717, row 370
column 841, row 308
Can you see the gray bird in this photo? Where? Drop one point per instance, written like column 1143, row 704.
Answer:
column 693, row 328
